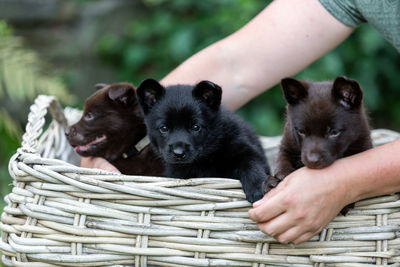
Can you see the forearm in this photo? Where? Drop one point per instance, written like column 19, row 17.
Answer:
column 284, row 38
column 371, row 173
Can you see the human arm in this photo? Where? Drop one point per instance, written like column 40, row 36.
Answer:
column 308, row 199
column 280, row 41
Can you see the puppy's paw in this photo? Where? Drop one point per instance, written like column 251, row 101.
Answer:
column 253, row 195
column 346, row 209
column 280, row 175
column 271, row 182
column 252, row 189
column 252, row 181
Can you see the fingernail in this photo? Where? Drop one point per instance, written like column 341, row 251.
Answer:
column 258, row 203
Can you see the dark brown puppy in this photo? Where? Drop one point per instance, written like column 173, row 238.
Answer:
column 325, row 121
column 112, row 127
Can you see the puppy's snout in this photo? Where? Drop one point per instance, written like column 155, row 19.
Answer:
column 178, row 150
column 70, row 131
column 317, row 160
column 313, row 157
column 67, row 131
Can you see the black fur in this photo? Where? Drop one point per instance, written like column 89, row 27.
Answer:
column 196, row 137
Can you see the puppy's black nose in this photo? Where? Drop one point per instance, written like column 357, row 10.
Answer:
column 70, row 131
column 313, row 157
column 67, row 131
column 179, row 152
column 315, row 160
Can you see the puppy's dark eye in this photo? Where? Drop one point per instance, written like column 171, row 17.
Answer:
column 334, row 133
column 300, row 132
column 89, row 116
column 163, row 129
column 195, row 127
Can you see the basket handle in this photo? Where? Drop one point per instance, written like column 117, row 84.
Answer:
column 36, row 120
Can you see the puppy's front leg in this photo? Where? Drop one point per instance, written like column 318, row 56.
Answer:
column 252, row 177
column 285, row 166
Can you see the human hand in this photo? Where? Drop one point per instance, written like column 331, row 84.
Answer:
column 300, row 206
column 98, row 163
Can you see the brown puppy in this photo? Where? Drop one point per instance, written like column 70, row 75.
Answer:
column 112, row 127
column 325, row 121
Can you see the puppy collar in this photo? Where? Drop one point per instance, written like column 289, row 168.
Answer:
column 136, row 149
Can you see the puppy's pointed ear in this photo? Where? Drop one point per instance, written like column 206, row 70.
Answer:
column 99, row 86
column 149, row 93
column 208, row 93
column 122, row 93
column 294, row 90
column 347, row 92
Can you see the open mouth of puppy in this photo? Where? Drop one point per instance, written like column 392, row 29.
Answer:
column 92, row 144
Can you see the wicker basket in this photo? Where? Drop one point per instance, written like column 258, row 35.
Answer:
column 61, row 214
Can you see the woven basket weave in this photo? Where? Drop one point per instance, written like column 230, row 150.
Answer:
column 60, row 214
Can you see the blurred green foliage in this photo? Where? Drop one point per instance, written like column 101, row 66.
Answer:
column 23, row 75
column 167, row 32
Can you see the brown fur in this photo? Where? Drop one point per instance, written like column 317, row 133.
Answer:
column 325, row 121
column 113, row 112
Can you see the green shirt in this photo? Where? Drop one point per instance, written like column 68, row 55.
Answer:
column 384, row 15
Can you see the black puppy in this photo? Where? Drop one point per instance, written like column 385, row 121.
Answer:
column 325, row 121
column 197, row 138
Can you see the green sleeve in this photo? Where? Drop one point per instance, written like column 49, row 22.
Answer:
column 345, row 11
column 383, row 15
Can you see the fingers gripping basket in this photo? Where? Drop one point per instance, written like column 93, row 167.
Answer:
column 60, row 214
